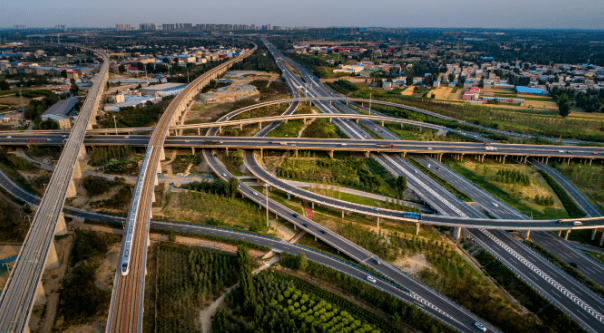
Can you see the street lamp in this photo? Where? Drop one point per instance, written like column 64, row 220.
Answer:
column 267, row 186
column 115, row 122
column 370, row 104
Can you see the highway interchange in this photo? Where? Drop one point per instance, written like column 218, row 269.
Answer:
column 568, row 294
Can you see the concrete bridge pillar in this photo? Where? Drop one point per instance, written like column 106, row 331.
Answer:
column 40, row 295
column 261, row 153
column 566, row 235
column 259, row 125
column 503, row 160
column 378, row 221
column 602, row 238
column 357, row 120
column 71, row 190
column 346, row 102
column 77, row 171
column 153, row 196
column 198, row 131
column 220, row 129
column 52, row 261
column 155, row 180
column 330, row 120
column 241, row 127
column 193, row 150
column 403, row 154
column 367, row 154
column 159, row 168
column 382, row 123
column 296, row 152
column 312, row 204
column 461, row 157
column 289, row 196
column 227, row 151
column 457, row 232
column 61, row 228
column 331, row 153
column 593, row 233
column 82, row 152
column 590, row 160
column 416, row 229
column 342, row 213
column 162, row 154
column 526, row 234
column 401, row 125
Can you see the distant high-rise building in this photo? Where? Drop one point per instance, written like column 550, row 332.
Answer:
column 61, row 27
column 147, row 27
column 20, row 27
column 168, row 26
column 270, row 27
column 123, row 27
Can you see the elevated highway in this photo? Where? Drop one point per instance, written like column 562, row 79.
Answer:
column 19, row 294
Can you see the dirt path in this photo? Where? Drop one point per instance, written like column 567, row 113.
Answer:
column 307, row 124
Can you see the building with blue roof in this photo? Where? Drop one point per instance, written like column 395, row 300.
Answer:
column 520, row 90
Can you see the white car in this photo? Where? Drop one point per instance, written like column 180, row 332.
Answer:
column 342, row 144
column 560, row 151
column 224, row 175
column 9, row 137
column 480, row 326
column 577, row 223
column 429, row 148
column 187, row 141
column 371, row 279
column 254, row 193
column 64, row 136
column 374, row 209
column 494, row 204
column 415, row 171
column 48, row 139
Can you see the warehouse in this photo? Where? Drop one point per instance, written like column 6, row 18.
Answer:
column 529, row 91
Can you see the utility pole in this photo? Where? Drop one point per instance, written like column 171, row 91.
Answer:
column 115, row 124
column 370, row 104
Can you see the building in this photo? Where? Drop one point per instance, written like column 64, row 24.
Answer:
column 165, row 89
column 64, row 122
column 520, row 90
column 61, row 108
column 132, row 101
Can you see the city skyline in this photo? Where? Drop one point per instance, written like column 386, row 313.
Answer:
column 587, row 15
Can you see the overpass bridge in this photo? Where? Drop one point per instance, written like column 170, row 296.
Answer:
column 24, row 283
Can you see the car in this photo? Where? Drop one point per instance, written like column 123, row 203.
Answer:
column 224, row 174
column 343, row 144
column 220, row 142
column 560, row 151
column 377, row 261
column 270, row 142
column 573, row 265
column 577, row 223
column 9, row 137
column 374, row 209
column 295, row 214
column 569, row 152
column 48, row 139
column 305, row 224
column 494, row 204
column 429, row 148
column 64, row 136
column 254, row 193
column 127, row 137
column 293, row 144
column 187, row 141
column 480, row 326
column 560, row 221
column 415, row 171
column 371, row 279
column 437, row 168
column 428, row 165
column 595, row 153
column 322, row 231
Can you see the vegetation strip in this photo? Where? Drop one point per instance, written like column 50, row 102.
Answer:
column 571, row 206
column 439, row 180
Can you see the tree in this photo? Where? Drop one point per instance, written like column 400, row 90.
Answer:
column 232, row 186
column 74, row 87
column 563, row 105
column 401, row 185
column 121, row 69
column 4, row 85
column 301, row 261
column 246, row 279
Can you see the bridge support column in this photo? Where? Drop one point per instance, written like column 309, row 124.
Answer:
column 593, row 233
column 342, row 213
column 241, row 127
column 590, row 160
column 378, row 222
column 155, row 181
column 357, row 121
column 559, row 233
column 416, row 229
column 289, row 197
column 71, row 190
column 346, row 102
column 367, row 154
column 602, row 238
column 482, row 160
column 193, row 150
column 153, row 196
column 503, row 160
column 259, row 125
column 261, row 153
column 40, row 295
column 330, row 120
column 382, row 123
column 296, row 152
column 566, row 235
column 461, row 157
column 312, row 204
column 77, row 171
column 159, row 169
column 162, row 154
column 227, row 151
column 568, row 163
column 331, row 153
column 199, row 131
column 526, row 234
column 52, row 261
column 457, row 232
column 61, row 228
column 82, row 152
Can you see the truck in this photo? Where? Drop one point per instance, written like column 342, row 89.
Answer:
column 283, row 143
column 386, row 146
column 491, row 148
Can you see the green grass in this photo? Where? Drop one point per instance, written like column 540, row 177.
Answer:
column 496, row 191
column 588, row 179
column 322, row 128
column 363, row 200
column 569, row 204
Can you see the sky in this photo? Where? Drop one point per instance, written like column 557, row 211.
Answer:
column 544, row 14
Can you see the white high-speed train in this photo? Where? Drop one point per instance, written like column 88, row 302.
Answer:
column 132, row 215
